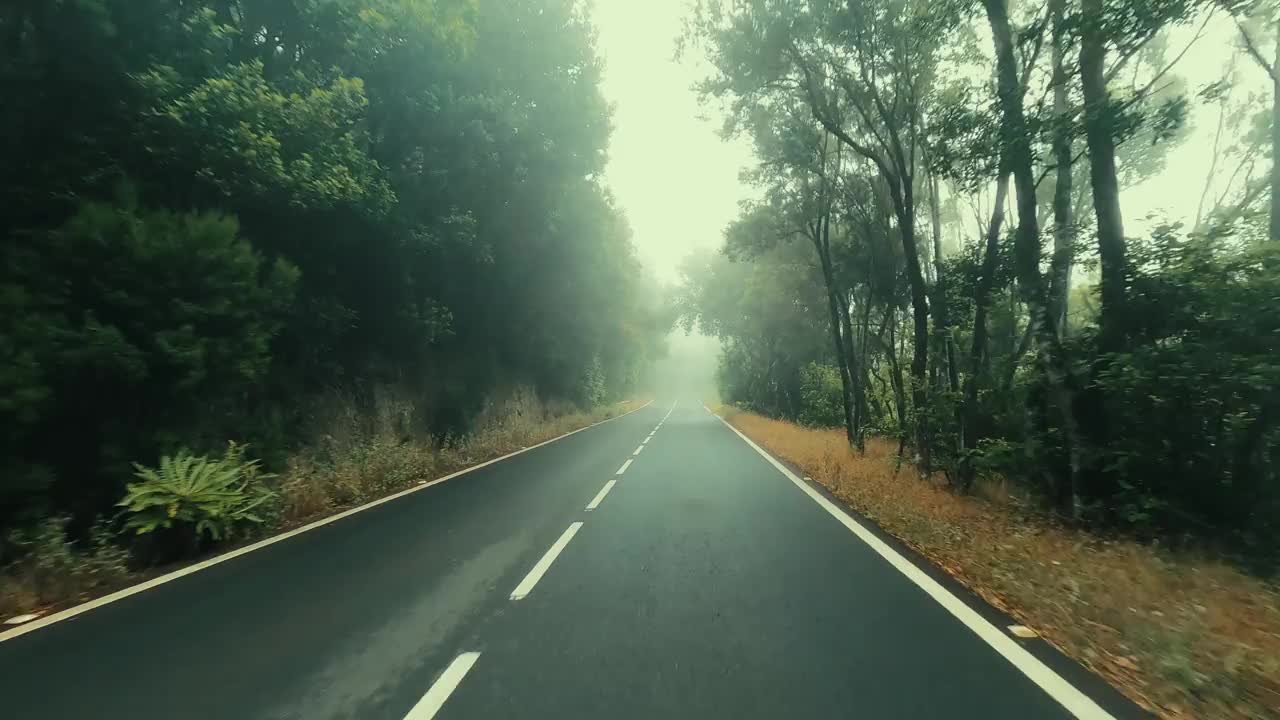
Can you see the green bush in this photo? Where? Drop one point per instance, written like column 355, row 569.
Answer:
column 820, row 391
column 1192, row 405
column 50, row 567
column 158, row 323
column 209, row 497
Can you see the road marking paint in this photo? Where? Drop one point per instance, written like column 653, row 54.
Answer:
column 624, row 467
column 637, row 452
column 443, row 687
column 1066, row 694
column 673, row 409
column 540, row 569
column 595, row 503
column 646, row 440
column 197, row 567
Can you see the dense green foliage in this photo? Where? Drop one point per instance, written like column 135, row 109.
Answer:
column 216, row 212
column 207, row 497
column 961, row 165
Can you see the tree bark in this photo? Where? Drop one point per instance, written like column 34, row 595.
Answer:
column 857, row 397
column 903, row 197
column 978, row 350
column 833, row 307
column 839, row 319
column 942, row 314
column 1275, row 139
column 897, row 170
column 1017, row 153
column 895, row 377
column 1099, row 121
column 1063, row 213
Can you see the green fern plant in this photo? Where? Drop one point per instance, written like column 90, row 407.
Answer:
column 214, row 497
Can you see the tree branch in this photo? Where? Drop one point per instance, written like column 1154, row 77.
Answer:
column 1255, row 53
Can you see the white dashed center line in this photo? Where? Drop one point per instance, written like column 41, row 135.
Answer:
column 540, row 569
column 595, row 503
column 430, row 704
column 624, row 467
column 637, row 452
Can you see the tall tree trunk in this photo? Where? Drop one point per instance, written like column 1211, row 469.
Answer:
column 981, row 301
column 833, row 307
column 895, row 378
column 903, row 196
column 1017, row 149
column 1099, row 125
column 864, row 380
column 1275, row 139
column 857, row 375
column 942, row 314
column 1064, row 231
column 857, row 394
column 839, row 318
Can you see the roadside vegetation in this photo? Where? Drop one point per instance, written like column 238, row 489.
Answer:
column 1182, row 633
column 939, row 253
column 943, row 260
column 194, row 506
column 262, row 261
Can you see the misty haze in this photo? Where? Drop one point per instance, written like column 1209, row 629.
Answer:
column 633, row 359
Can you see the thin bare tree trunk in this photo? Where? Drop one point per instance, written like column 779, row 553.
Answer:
column 1099, row 121
column 1017, row 151
column 821, row 241
column 1275, row 139
column 904, row 205
column 1064, row 231
column 1217, row 143
column 895, row 377
column 982, row 301
column 942, row 314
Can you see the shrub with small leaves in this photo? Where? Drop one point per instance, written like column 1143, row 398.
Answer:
column 51, row 566
column 212, row 497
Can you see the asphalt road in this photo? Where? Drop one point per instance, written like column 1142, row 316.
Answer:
column 703, row 583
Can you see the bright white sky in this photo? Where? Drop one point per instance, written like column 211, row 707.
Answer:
column 673, row 176
column 677, row 181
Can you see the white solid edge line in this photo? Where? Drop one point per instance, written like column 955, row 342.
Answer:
column 637, row 452
column 430, row 704
column 595, row 502
column 1066, row 694
column 544, row 563
column 624, row 467
column 197, row 567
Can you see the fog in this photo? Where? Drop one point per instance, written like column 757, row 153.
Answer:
column 677, row 180
column 688, row 371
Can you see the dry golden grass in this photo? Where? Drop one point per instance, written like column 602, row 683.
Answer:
column 1186, row 637
column 340, row 474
